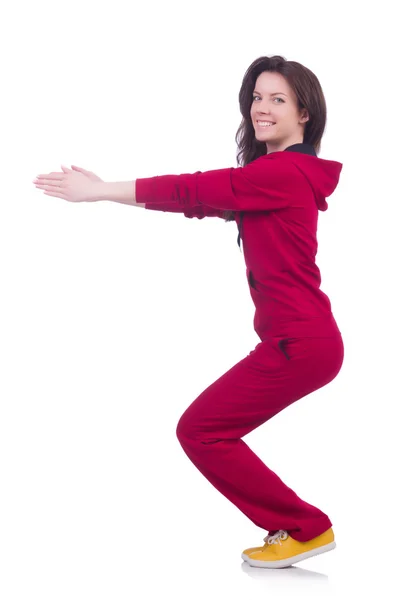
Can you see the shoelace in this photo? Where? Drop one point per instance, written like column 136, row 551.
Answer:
column 276, row 538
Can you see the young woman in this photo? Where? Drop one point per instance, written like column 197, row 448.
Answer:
column 274, row 197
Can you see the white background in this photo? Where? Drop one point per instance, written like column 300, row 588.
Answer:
column 113, row 319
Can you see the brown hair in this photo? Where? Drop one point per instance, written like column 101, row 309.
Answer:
column 308, row 92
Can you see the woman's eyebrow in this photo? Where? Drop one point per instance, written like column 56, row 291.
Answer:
column 275, row 93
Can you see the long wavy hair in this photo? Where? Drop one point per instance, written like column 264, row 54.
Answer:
column 308, row 92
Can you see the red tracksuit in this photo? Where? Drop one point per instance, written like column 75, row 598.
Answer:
column 276, row 199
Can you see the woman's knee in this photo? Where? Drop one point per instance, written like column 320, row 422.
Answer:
column 182, row 429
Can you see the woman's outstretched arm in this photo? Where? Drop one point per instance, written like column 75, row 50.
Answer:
column 125, row 192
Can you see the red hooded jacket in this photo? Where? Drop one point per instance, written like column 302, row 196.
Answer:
column 278, row 197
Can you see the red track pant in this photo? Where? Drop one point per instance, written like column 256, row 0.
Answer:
column 275, row 374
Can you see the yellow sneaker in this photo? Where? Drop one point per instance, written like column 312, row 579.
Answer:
column 248, row 551
column 281, row 550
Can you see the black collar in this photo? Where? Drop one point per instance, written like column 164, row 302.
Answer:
column 302, row 148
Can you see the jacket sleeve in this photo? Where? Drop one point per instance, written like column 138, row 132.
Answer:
column 158, row 194
column 267, row 183
column 199, row 211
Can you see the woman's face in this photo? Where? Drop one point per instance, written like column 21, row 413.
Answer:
column 273, row 100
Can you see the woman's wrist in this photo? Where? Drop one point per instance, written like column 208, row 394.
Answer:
column 118, row 191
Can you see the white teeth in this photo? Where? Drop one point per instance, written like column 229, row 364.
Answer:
column 264, row 124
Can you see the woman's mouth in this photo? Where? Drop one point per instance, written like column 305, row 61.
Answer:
column 264, row 124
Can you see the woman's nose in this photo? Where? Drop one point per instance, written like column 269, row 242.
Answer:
column 264, row 110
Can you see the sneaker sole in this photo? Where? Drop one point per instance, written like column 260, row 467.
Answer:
column 287, row 562
column 246, row 556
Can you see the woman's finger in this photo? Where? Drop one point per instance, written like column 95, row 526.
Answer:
column 51, row 176
column 49, row 187
column 47, row 182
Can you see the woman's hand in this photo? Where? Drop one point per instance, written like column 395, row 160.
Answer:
column 74, row 185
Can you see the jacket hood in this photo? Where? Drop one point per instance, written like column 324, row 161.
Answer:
column 322, row 175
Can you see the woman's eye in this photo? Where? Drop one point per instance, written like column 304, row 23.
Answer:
column 275, row 98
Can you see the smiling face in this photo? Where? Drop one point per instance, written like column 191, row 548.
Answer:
column 274, row 100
